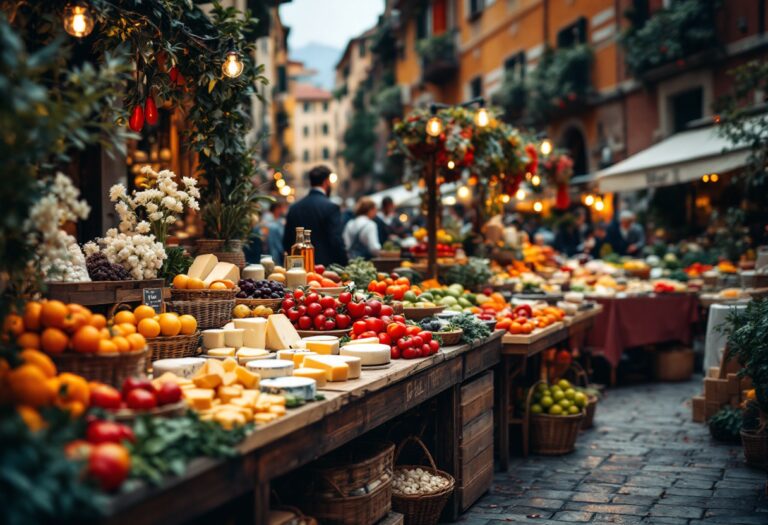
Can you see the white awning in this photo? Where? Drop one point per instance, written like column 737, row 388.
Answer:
column 683, row 157
column 405, row 198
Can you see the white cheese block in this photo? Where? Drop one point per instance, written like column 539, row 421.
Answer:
column 370, row 355
column 281, row 333
column 182, row 367
column 202, row 266
column 213, row 338
column 322, row 344
column 365, row 341
column 299, row 387
column 221, row 352
column 234, row 337
column 229, row 326
column 255, row 331
column 269, row 368
column 222, row 271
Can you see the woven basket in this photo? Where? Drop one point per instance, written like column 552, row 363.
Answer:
column 424, row 509
column 209, row 314
column 755, row 448
column 174, row 347
column 365, row 509
column 589, row 413
column 554, row 435
column 112, row 369
column 354, row 466
column 451, row 338
column 203, row 295
column 269, row 303
column 674, row 365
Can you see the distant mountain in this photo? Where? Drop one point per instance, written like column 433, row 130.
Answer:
column 320, row 57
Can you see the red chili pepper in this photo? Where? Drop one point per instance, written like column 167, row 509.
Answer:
column 136, row 122
column 150, row 111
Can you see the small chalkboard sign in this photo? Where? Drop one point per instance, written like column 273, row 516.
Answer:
column 153, row 297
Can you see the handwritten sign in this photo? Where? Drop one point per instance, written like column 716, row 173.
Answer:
column 153, row 297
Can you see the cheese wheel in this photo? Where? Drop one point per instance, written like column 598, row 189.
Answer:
column 269, row 368
column 299, row 387
column 221, row 352
column 181, row 367
column 322, row 344
column 246, row 354
column 313, row 373
column 234, row 337
column 370, row 355
column 213, row 338
column 364, row 341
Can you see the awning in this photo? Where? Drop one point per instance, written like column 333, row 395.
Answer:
column 683, row 157
column 405, row 198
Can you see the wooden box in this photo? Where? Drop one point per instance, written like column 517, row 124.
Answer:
column 475, row 473
column 698, row 406
column 95, row 293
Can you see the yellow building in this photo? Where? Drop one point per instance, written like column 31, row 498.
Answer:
column 313, row 138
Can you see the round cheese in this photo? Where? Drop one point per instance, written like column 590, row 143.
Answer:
column 245, row 354
column 182, row 367
column 299, row 387
column 369, row 354
column 269, row 368
column 322, row 344
column 221, row 352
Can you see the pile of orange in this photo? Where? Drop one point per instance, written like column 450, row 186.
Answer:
column 520, row 325
column 144, row 321
column 184, row 282
column 547, row 316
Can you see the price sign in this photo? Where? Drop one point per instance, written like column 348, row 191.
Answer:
column 153, row 297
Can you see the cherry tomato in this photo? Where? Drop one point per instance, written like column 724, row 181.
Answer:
column 330, row 324
column 366, row 335
column 293, row 314
column 305, row 322
column 328, row 302
column 329, row 312
column 368, row 310
column 314, row 309
column 139, row 399
column 375, row 325
column 425, row 350
column 385, row 339
column 359, row 327
column 386, row 310
column 108, row 432
column 345, row 297
column 405, row 342
column 298, row 294
column 169, row 392
column 302, row 310
column 412, row 330
column 343, row 321
column 288, row 304
column 396, row 331
column 411, row 353
column 434, row 346
column 319, row 321
column 375, row 307
column 398, row 318
column 394, row 353
column 426, row 336
column 133, row 383
column 356, row 310
column 417, row 341
column 381, row 287
column 312, row 297
column 105, row 396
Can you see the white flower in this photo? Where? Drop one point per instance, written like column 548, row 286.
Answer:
column 117, row 192
column 142, row 227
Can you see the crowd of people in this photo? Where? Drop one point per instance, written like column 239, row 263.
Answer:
column 339, row 236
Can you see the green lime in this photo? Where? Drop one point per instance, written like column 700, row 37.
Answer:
column 564, row 384
column 580, row 399
column 570, row 393
column 565, row 403
column 541, row 387
column 555, row 410
column 547, row 401
column 573, row 409
column 536, row 409
column 557, row 395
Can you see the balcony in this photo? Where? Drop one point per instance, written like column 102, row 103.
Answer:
column 512, row 96
column 389, row 102
column 562, row 82
column 439, row 59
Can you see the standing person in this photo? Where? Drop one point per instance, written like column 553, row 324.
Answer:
column 626, row 237
column 316, row 212
column 276, row 230
column 361, row 236
column 387, row 221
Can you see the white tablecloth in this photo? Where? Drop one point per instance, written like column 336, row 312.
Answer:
column 715, row 341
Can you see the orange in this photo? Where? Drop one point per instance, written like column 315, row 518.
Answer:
column 121, row 343
column 75, row 308
column 31, row 417
column 195, row 284
column 143, row 311
column 226, row 282
column 98, row 320
column 40, row 360
column 28, row 386
column 86, row 340
column 180, row 281
column 75, row 321
column 125, row 316
column 149, row 328
column 54, row 313
column 32, row 316
column 514, row 328
column 218, row 286
column 137, row 341
column 107, row 347
column 126, row 328
column 13, row 324
column 169, row 325
column 104, row 333
column 188, row 324
column 76, row 389
column 54, row 341
column 29, row 340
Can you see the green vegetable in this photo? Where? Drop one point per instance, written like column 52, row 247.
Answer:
column 360, row 271
column 726, row 424
column 475, row 273
column 473, row 328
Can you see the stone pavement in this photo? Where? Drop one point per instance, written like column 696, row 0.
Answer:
column 644, row 462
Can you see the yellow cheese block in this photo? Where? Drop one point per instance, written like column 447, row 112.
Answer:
column 281, row 333
column 246, row 354
column 322, row 344
column 297, row 356
column 229, row 378
column 221, row 352
column 229, row 364
column 264, row 417
column 202, row 266
column 213, row 338
column 312, row 373
column 222, row 271
column 215, row 367
column 207, row 380
column 277, row 409
column 335, row 369
column 229, row 418
column 365, row 341
column 255, row 335
column 247, row 378
column 245, row 411
column 249, row 397
column 233, row 337
column 228, row 393
column 199, row 398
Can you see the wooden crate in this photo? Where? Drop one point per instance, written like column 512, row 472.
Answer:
column 476, row 397
column 475, row 473
column 95, row 293
column 477, row 477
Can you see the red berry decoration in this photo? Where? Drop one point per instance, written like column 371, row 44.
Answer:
column 150, row 111
column 136, row 122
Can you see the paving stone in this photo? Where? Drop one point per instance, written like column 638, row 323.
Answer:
column 675, row 491
column 625, row 499
column 677, row 511
column 607, row 508
column 590, row 497
column 642, row 491
column 572, row 516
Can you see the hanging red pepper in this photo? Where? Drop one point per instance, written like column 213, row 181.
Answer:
column 136, row 123
column 150, row 111
column 176, row 76
column 562, row 199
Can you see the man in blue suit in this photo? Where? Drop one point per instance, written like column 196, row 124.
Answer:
column 316, row 212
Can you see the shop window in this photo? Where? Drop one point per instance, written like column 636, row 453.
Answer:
column 475, row 8
column 307, row 107
column 361, row 48
column 282, row 79
column 306, row 131
column 325, row 129
column 574, row 34
column 326, row 154
column 686, row 107
column 640, row 12
column 306, row 155
column 573, row 142
column 476, row 87
column 515, row 65
column 325, row 107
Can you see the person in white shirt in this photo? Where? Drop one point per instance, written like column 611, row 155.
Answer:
column 361, row 235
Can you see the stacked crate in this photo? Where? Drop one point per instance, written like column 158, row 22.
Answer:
column 476, row 440
column 722, row 387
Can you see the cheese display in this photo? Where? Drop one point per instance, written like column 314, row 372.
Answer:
column 335, row 369
column 313, row 373
column 369, row 354
column 324, row 362
column 297, row 356
column 322, row 344
column 222, row 271
column 213, row 338
column 269, row 368
column 234, row 337
column 364, row 341
column 221, row 352
column 246, row 354
column 202, row 266
column 255, row 334
column 281, row 333
column 182, row 367
column 303, row 388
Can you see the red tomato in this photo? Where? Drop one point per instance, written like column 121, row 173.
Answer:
column 426, row 351
column 412, row 330
column 139, row 399
column 319, row 269
column 169, row 392
column 328, row 302
column 359, row 327
column 345, row 297
column 381, row 287
column 132, row 383
column 372, row 286
column 302, row 310
column 342, row 321
column 396, row 331
column 109, row 464
column 78, row 450
column 105, row 396
column 434, row 346
column 375, row 307
column 375, row 325
column 398, row 318
column 305, row 322
column 356, row 310
column 385, row 339
column 293, row 314
column 330, row 324
column 417, row 341
column 366, row 335
column 426, row 336
column 298, row 294
column 405, row 342
column 319, row 321
column 329, row 312
column 394, row 353
column 288, row 304
column 314, row 309
column 403, row 281
column 312, row 297
column 108, row 432
column 411, row 353
column 386, row 310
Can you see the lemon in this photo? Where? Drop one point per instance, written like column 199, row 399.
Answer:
column 566, row 404
column 546, row 402
column 564, row 384
column 557, row 395
column 555, row 410
column 573, row 409
column 536, row 409
column 580, row 399
column 570, row 393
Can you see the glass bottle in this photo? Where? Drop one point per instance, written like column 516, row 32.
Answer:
column 308, row 252
column 296, row 248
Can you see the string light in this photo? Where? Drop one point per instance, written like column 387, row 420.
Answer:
column 285, row 191
column 451, row 164
column 546, row 147
column 278, row 175
column 463, row 192
column 538, row 206
column 403, row 217
column 520, row 194
column 232, row 66
column 705, row 179
column 78, row 21
column 714, row 177
column 589, row 200
column 599, row 205
column 280, row 183
column 535, row 180
column 333, row 177
column 450, row 200
column 434, row 127
column 482, row 118
column 505, row 198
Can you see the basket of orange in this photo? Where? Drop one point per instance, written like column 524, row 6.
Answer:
column 168, row 335
column 211, row 305
column 79, row 341
column 185, row 288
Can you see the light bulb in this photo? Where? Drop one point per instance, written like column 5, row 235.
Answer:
column 538, row 206
column 434, row 127
column 705, row 178
column 232, row 66
column 546, row 147
column 278, row 175
column 599, row 205
column 403, row 217
column 482, row 118
column 78, row 21
column 280, row 183
column 463, row 192
column 285, row 191
column 451, row 164
column 520, row 194
column 333, row 177
column 589, row 200
column 505, row 198
column 450, row 200
column 714, row 177
column 535, row 180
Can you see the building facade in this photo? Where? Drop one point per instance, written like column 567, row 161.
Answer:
column 313, row 133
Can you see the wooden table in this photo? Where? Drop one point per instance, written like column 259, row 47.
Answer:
column 349, row 410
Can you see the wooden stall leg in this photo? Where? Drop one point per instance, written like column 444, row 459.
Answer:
column 502, row 394
column 260, row 512
column 448, row 427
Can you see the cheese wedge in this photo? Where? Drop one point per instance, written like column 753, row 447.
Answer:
column 213, row 339
column 322, row 344
column 335, row 369
column 229, row 364
column 247, row 378
column 222, row 271
column 207, row 380
column 202, row 266
column 234, row 337
column 228, row 393
column 353, row 363
column 297, row 356
column 312, row 373
column 255, row 334
column 281, row 333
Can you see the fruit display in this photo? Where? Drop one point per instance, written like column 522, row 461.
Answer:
column 560, row 399
column 137, row 394
column 308, row 310
column 144, row 321
column 524, row 318
column 323, row 278
column 443, row 250
column 241, row 311
column 408, row 341
column 417, row 481
column 396, row 287
column 107, row 459
column 358, row 271
column 100, row 269
column 207, row 273
column 261, row 289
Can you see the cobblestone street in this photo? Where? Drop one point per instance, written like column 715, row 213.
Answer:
column 644, row 462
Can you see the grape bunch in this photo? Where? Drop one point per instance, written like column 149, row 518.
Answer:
column 262, row 289
column 100, row 269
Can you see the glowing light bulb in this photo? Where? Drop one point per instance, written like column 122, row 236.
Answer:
column 463, row 192
column 403, row 217
column 520, row 194
column 505, row 198
column 280, row 183
column 535, row 180
column 451, row 164
column 285, row 191
column 546, row 147
column 232, row 66
column 714, row 177
column 705, row 178
column 482, row 118
column 600, row 205
column 78, row 21
column 333, row 177
column 589, row 200
column 434, row 127
column 450, row 200
column 278, row 175
column 538, row 206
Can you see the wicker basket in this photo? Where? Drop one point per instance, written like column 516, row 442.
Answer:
column 755, row 448
column 112, row 369
column 552, row 435
column 216, row 247
column 355, row 465
column 589, row 413
column 253, row 303
column 174, row 347
column 203, row 295
column 365, row 509
column 424, row 509
column 209, row 314
column 451, row 338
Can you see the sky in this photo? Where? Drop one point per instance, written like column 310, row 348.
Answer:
column 330, row 22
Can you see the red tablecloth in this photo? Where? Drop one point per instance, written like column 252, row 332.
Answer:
column 636, row 321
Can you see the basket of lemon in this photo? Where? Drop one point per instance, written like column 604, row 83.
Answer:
column 556, row 413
